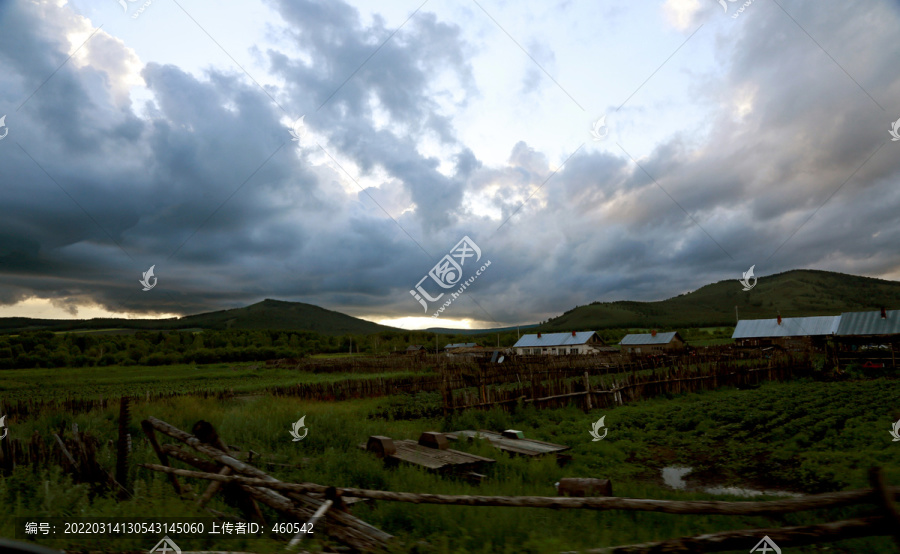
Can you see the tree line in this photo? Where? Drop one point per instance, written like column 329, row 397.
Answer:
column 45, row 349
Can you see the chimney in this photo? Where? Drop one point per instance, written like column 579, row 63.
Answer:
column 883, row 313
column 573, row 333
column 539, row 335
column 779, row 320
column 653, row 333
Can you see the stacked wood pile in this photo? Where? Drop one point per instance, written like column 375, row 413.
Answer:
column 299, row 506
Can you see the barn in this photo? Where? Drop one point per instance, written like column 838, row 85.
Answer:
column 557, row 344
column 873, row 336
column 652, row 343
column 790, row 333
column 456, row 345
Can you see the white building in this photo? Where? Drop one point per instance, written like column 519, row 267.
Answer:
column 583, row 342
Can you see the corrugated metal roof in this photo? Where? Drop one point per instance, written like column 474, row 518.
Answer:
column 554, row 339
column 869, row 323
column 648, row 338
column 462, row 345
column 790, row 327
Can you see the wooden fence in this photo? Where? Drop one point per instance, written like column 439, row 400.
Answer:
column 546, row 376
column 884, row 522
column 560, row 390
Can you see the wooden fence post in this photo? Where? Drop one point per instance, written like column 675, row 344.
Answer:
column 587, row 387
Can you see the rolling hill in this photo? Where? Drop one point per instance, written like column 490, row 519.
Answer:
column 275, row 314
column 793, row 293
column 268, row 314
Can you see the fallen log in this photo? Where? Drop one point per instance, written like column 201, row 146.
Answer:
column 342, row 526
column 770, row 507
column 738, row 540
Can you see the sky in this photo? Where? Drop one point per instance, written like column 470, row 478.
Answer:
column 442, row 163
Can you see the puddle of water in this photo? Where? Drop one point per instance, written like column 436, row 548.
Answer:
column 673, row 477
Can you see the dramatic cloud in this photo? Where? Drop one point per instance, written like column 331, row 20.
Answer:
column 761, row 139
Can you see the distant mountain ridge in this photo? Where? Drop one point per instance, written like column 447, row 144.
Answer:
column 795, row 293
column 800, row 292
column 268, row 314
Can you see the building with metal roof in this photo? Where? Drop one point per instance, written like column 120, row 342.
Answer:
column 787, row 327
column 874, row 323
column 787, row 332
column 868, row 338
column 461, row 345
column 653, row 342
column 576, row 342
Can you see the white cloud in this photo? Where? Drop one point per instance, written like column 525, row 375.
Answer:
column 682, row 14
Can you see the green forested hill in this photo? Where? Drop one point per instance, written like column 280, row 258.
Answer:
column 793, row 294
column 268, row 314
column 275, row 314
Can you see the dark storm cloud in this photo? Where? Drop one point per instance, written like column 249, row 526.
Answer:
column 598, row 229
column 602, row 229
column 149, row 185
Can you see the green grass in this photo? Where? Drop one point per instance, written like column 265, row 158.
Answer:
column 802, row 435
column 115, row 381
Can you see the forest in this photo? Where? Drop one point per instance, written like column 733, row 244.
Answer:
column 45, row 349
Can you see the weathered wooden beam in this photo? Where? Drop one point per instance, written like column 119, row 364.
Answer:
column 65, row 451
column 344, row 527
column 876, row 478
column 186, row 457
column 319, row 513
column 738, row 540
column 213, row 488
column 160, row 453
column 770, row 507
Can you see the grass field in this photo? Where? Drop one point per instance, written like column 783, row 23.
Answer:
column 804, row 436
column 114, row 381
